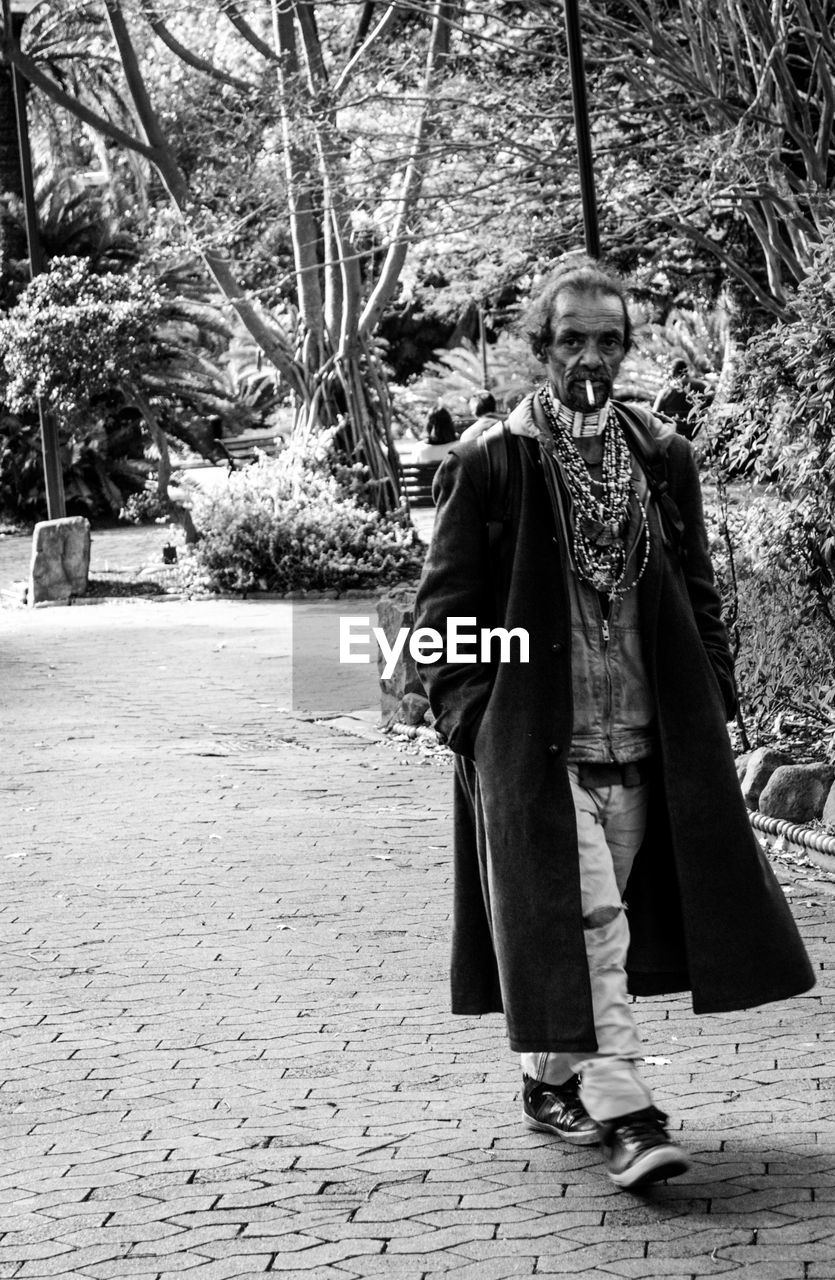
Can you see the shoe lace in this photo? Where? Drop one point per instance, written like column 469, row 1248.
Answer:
column 644, row 1125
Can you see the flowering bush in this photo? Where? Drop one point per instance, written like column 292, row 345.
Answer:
column 282, row 524
column 145, row 507
column 76, row 336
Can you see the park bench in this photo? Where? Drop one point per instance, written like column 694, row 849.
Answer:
column 417, row 481
column 417, row 476
column 244, row 447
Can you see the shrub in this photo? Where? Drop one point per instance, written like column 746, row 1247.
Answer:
column 100, row 465
column 785, row 426
column 75, row 336
column 786, row 663
column 110, row 354
column 145, row 507
column 785, row 657
column 282, row 524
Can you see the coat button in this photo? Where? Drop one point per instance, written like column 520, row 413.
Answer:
column 556, row 647
column 555, row 749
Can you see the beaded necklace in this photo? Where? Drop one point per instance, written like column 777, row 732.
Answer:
column 600, row 518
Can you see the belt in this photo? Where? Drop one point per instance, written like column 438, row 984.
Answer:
column 591, row 773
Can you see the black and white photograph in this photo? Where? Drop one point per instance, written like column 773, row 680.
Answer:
column 417, row 639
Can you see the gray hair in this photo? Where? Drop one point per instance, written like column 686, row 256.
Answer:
column 582, row 275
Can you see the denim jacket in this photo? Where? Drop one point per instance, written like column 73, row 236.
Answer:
column 613, row 704
column 614, row 710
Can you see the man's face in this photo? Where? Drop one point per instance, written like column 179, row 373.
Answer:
column 588, row 345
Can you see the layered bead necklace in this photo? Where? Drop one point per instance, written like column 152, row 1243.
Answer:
column 600, row 519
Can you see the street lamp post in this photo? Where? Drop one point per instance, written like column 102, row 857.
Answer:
column 581, row 127
column 485, row 376
column 15, row 13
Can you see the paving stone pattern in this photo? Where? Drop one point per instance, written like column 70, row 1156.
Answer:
column 226, row 1048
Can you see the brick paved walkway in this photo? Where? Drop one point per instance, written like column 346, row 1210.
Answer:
column 226, row 1047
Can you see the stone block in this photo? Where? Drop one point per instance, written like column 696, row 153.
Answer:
column 759, row 768
column 396, row 610
column 828, row 814
column 797, row 792
column 60, row 560
column 741, row 763
column 413, row 708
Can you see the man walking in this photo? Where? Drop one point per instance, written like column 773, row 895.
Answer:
column 598, row 775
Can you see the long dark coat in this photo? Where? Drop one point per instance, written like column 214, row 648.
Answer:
column 706, row 913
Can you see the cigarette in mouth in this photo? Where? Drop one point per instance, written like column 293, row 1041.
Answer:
column 589, row 392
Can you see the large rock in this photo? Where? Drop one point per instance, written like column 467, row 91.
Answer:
column 60, row 560
column 797, row 792
column 396, row 610
column 413, row 709
column 828, row 814
column 741, row 764
column 758, row 769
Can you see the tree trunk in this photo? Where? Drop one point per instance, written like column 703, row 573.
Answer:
column 305, row 232
column 158, row 438
column 350, row 390
column 160, row 441
column 163, row 157
column 347, row 386
column 12, row 229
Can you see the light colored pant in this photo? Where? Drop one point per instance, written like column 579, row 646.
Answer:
column 610, row 827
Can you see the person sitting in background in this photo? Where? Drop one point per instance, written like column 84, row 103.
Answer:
column 440, row 436
column 682, row 398
column 483, row 407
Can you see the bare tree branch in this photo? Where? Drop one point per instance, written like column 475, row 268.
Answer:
column 736, row 269
column 187, row 55
column 412, row 180
column 230, row 9
column 32, row 72
column 330, row 154
column 357, row 54
column 275, row 345
column 304, row 230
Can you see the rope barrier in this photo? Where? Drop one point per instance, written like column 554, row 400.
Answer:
column 795, row 834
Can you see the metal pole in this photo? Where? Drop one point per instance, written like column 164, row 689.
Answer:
column 484, row 376
column 581, row 127
column 53, row 475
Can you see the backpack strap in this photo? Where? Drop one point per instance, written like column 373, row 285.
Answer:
column 653, row 459
column 494, row 449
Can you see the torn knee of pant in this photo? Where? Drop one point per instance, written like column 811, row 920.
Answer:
column 600, row 916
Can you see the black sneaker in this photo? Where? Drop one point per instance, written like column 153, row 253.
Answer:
column 556, row 1108
column 638, row 1149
